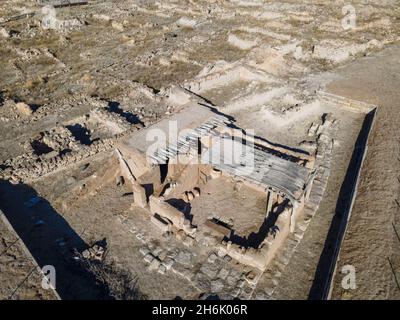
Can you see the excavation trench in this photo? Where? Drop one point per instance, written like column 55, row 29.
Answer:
column 326, row 268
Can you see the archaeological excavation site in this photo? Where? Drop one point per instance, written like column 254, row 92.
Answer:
column 199, row 150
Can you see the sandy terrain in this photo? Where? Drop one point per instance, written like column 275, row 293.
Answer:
column 371, row 243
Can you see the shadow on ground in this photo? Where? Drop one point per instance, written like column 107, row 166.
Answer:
column 324, row 272
column 50, row 239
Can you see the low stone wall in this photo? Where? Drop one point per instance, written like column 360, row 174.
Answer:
column 261, row 257
column 167, row 211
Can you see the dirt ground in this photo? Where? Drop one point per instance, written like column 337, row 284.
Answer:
column 220, row 194
column 70, row 92
column 371, row 243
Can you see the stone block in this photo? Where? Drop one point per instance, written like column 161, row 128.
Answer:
column 217, row 286
column 223, row 273
column 144, row 251
column 162, row 269
column 212, row 257
column 139, row 195
column 160, row 223
column 168, row 263
column 154, row 265
column 23, row 109
column 148, row 258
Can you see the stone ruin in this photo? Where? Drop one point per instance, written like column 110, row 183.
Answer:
column 169, row 163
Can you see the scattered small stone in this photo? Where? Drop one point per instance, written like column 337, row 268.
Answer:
column 162, row 255
column 238, row 185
